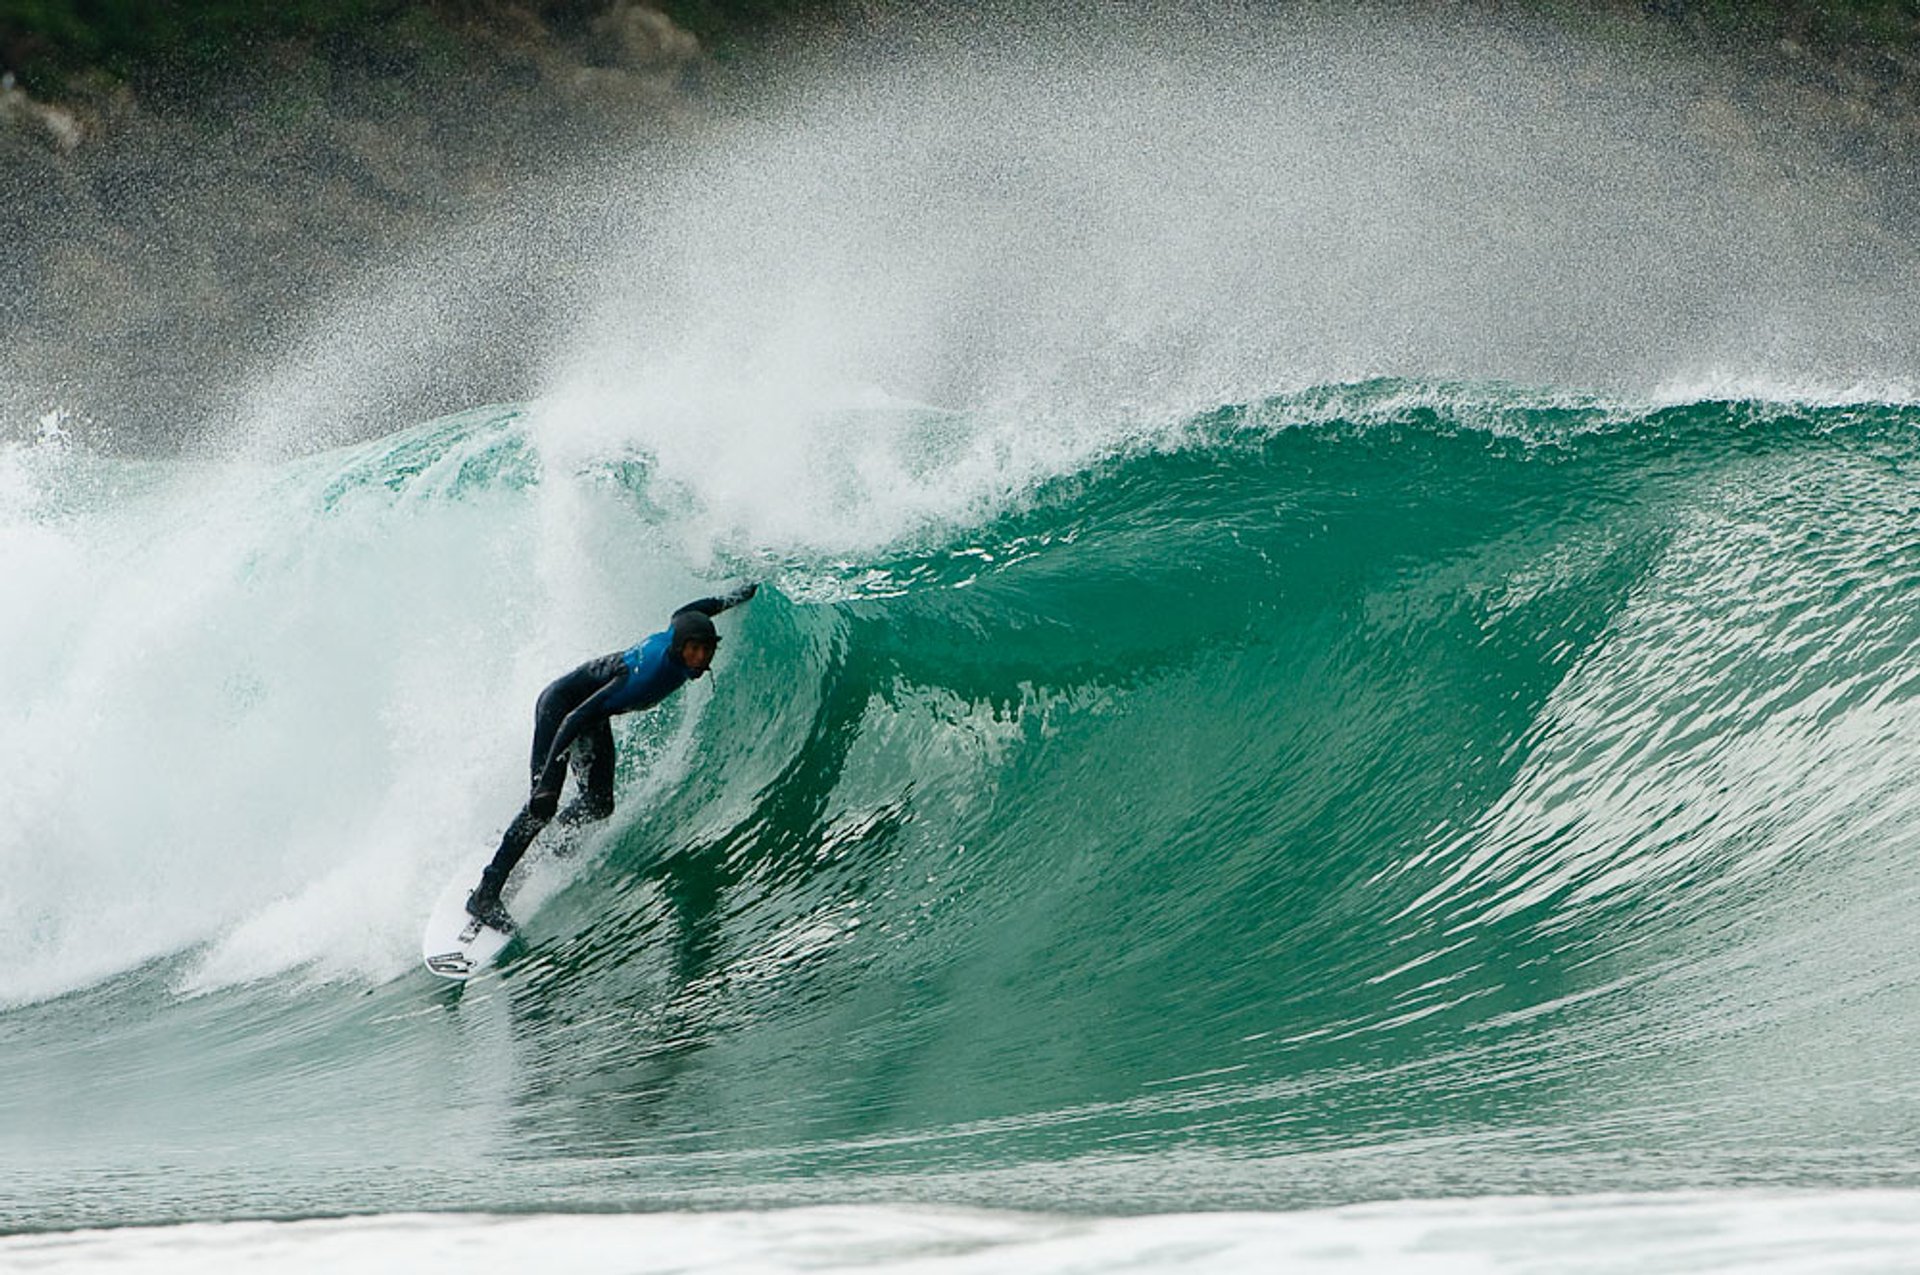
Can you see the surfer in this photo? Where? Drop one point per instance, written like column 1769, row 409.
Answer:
column 571, row 720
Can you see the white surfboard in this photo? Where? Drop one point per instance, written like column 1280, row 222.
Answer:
column 456, row 945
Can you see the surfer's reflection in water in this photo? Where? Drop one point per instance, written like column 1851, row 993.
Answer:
column 571, row 720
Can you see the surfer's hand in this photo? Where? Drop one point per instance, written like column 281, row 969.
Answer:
column 742, row 594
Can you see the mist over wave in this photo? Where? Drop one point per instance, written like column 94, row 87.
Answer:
column 1088, row 233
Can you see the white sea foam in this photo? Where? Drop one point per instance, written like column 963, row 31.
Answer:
column 1825, row 1233
column 264, row 712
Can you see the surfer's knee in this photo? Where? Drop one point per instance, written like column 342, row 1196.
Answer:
column 542, row 804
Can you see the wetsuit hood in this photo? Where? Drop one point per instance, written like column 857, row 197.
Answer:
column 690, row 626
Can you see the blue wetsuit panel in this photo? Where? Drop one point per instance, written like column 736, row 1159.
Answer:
column 651, row 676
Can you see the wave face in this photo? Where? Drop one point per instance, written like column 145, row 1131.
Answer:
column 1393, row 789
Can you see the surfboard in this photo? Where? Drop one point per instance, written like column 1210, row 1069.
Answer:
column 456, row 945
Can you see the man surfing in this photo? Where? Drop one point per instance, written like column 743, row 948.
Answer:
column 571, row 720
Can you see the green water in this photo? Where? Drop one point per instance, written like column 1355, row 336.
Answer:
column 1389, row 791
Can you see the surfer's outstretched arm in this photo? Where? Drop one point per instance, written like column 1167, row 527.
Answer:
column 725, row 602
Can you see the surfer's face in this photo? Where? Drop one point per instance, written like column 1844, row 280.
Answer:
column 697, row 656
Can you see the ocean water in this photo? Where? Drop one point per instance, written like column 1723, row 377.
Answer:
column 1395, row 791
column 1290, row 718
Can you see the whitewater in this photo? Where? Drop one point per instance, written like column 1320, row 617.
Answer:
column 1335, row 685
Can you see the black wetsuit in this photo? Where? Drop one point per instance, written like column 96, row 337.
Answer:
column 572, row 720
